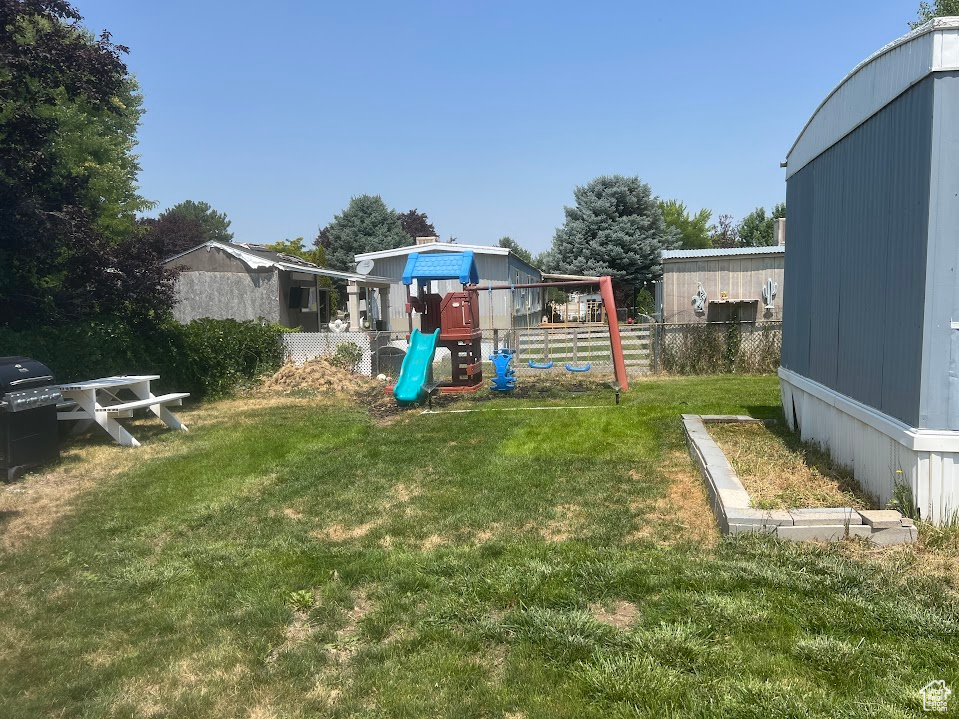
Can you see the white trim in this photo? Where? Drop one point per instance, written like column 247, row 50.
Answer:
column 920, row 440
column 873, row 84
column 433, row 247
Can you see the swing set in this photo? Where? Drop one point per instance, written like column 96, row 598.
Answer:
column 608, row 311
column 452, row 322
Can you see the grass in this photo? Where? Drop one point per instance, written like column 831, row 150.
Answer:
column 781, row 472
column 292, row 559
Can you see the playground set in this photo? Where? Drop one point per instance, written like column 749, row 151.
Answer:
column 453, row 322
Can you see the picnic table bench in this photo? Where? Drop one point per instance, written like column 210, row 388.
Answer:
column 97, row 401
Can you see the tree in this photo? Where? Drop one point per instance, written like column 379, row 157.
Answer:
column 215, row 225
column 317, row 256
column 366, row 225
column 172, row 234
column 693, row 230
column 513, row 246
column 296, row 248
column 616, row 228
column 725, row 233
column 417, row 224
column 939, row 8
column 68, row 193
column 545, row 261
column 757, row 229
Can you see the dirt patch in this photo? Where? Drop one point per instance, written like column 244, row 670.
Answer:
column 400, row 495
column 780, row 472
column 345, row 645
column 567, row 520
column 30, row 507
column 682, row 513
column 432, row 542
column 620, row 614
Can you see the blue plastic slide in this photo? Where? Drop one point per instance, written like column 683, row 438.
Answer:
column 416, row 367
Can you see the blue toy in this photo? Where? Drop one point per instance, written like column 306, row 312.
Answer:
column 505, row 379
column 584, row 368
column 545, row 365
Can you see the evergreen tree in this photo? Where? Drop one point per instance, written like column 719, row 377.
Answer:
column 513, row 246
column 366, row 225
column 616, row 228
column 215, row 226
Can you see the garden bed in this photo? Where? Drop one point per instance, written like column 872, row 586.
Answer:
column 781, row 472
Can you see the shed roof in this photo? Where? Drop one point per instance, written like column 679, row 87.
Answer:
column 446, row 266
column 723, row 252
column 257, row 256
column 873, row 84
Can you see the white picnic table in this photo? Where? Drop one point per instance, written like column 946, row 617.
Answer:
column 96, row 400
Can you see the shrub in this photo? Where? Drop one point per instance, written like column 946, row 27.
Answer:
column 720, row 348
column 347, row 356
column 206, row 357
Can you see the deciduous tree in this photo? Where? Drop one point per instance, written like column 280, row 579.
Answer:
column 694, row 230
column 938, row 8
column 757, row 228
column 417, row 224
column 68, row 194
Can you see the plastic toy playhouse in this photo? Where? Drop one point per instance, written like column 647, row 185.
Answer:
column 451, row 322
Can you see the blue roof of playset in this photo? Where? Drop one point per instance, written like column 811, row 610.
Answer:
column 428, row 266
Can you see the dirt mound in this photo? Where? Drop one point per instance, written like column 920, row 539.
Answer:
column 318, row 376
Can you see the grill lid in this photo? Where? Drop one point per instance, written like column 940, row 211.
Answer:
column 23, row 373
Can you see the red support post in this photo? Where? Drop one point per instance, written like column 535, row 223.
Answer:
column 615, row 341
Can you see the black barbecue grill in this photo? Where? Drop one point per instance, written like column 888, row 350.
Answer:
column 28, row 415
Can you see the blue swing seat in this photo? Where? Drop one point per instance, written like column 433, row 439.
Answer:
column 546, row 365
column 584, row 368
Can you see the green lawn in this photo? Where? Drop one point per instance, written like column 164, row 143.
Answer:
column 299, row 560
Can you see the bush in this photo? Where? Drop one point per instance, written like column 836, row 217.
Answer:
column 206, row 357
column 720, row 348
column 347, row 356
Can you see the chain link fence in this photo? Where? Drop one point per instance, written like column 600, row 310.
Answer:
column 718, row 348
column 674, row 349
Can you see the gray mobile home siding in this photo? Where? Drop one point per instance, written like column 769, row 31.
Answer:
column 856, row 259
column 939, row 407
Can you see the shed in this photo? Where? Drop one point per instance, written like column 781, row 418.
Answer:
column 228, row 280
column 742, row 284
column 870, row 359
column 495, row 265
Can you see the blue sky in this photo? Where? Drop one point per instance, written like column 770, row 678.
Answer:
column 484, row 115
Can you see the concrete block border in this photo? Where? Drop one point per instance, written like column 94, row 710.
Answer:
column 732, row 507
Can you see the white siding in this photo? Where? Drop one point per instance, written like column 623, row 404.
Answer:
column 874, row 456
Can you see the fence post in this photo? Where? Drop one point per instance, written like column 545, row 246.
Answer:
column 655, row 335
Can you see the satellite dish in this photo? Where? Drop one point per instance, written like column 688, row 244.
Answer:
column 364, row 267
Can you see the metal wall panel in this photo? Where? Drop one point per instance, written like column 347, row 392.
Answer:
column 939, row 407
column 856, row 259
